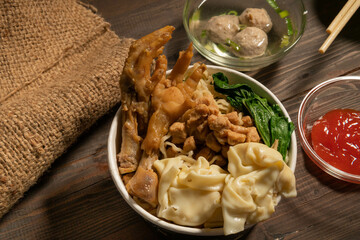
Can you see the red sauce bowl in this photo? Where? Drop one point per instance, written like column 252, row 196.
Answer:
column 336, row 93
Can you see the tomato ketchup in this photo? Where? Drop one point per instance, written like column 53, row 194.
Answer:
column 336, row 139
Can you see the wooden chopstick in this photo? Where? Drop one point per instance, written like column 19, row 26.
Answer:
column 339, row 22
column 340, row 15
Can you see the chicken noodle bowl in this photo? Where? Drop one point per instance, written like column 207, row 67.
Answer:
column 184, row 145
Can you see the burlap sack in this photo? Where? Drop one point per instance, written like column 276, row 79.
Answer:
column 60, row 66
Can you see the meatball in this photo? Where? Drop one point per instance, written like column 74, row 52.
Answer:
column 252, row 42
column 256, row 17
column 221, row 28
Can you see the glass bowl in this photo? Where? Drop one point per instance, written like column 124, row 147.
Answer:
column 336, row 93
column 168, row 227
column 197, row 12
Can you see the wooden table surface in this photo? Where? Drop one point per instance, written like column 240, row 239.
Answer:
column 76, row 198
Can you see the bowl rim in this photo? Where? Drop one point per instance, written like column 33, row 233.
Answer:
column 331, row 170
column 115, row 175
column 251, row 63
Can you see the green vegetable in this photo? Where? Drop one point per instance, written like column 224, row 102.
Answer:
column 221, row 47
column 242, row 26
column 195, row 16
column 262, row 115
column 203, row 33
column 269, row 119
column 233, row 45
column 283, row 14
column 281, row 129
column 284, row 41
column 232, row 12
column 289, row 26
column 209, row 47
column 274, row 5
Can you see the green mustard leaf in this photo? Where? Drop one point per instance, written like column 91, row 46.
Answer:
column 269, row 119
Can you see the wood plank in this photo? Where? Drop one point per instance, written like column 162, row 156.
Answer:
column 76, row 198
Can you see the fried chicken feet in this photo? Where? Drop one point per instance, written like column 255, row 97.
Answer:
column 136, row 87
column 170, row 99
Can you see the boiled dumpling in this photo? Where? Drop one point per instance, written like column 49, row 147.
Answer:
column 257, row 175
column 193, row 192
column 189, row 191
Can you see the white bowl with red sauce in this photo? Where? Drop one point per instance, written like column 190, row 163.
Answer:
column 329, row 127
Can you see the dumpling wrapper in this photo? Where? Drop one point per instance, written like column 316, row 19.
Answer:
column 258, row 174
column 189, row 191
column 193, row 192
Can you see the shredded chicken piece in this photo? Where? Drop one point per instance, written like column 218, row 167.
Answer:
column 171, row 152
column 248, row 122
column 205, row 152
column 219, row 160
column 234, row 138
column 196, row 123
column 252, row 135
column 210, row 102
column 177, row 132
column 224, row 151
column 189, row 144
column 202, row 131
column 212, row 143
column 218, row 122
column 195, row 116
column 227, row 132
column 234, row 118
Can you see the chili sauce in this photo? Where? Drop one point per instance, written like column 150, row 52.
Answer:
column 336, row 139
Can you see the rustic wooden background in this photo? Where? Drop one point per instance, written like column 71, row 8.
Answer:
column 76, row 198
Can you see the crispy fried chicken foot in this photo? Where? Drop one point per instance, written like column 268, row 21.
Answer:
column 136, row 87
column 170, row 99
column 182, row 64
column 129, row 156
column 169, row 104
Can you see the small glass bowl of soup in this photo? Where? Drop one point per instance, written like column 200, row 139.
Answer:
column 329, row 127
column 244, row 35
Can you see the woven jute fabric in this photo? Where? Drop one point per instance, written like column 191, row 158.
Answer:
column 60, row 66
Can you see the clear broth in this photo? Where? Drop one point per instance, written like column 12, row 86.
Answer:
column 201, row 15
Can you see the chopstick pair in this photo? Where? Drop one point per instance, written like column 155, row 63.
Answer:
column 339, row 22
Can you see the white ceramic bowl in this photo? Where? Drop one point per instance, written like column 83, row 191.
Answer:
column 114, row 148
